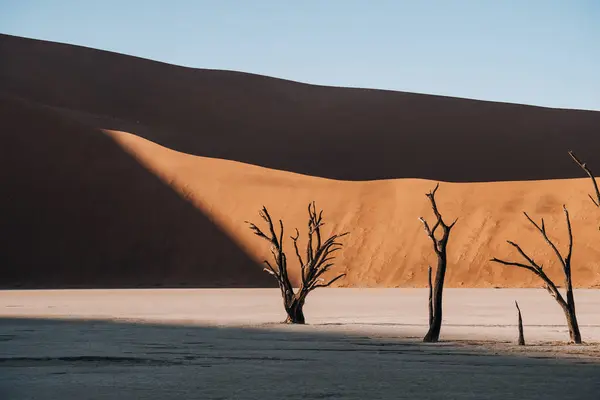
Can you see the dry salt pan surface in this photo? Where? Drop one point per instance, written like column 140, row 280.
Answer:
column 228, row 344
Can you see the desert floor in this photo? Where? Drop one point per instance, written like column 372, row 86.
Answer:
column 228, row 344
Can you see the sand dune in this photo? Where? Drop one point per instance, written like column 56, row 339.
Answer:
column 76, row 210
column 88, row 209
column 387, row 246
column 342, row 133
column 80, row 211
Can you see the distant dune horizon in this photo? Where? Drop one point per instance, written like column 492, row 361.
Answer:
column 296, row 127
column 299, row 81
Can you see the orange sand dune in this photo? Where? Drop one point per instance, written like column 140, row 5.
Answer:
column 387, row 246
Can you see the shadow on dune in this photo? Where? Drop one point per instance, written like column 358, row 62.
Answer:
column 78, row 211
column 53, row 359
column 342, row 133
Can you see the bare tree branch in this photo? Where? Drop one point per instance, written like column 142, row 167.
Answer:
column 542, row 230
column 330, row 282
column 567, row 260
column 430, row 233
column 530, row 260
column 587, row 170
column 513, row 263
column 300, row 260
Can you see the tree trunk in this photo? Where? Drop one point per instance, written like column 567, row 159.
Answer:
column 430, row 298
column 574, row 333
column 295, row 314
column 521, row 336
column 439, row 246
column 433, row 335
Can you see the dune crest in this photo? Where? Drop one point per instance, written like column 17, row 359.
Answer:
column 333, row 132
column 387, row 246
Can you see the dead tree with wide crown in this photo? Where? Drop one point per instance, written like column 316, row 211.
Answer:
column 528, row 263
column 318, row 260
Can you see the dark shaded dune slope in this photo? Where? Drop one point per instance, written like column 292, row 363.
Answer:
column 78, row 211
column 342, row 133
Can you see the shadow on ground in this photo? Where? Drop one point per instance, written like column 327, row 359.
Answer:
column 57, row 359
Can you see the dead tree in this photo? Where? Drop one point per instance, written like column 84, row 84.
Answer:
column 521, row 336
column 319, row 259
column 567, row 305
column 587, row 170
column 439, row 247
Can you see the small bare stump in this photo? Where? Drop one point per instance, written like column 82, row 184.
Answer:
column 521, row 341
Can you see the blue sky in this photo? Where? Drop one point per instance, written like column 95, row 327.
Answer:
column 543, row 52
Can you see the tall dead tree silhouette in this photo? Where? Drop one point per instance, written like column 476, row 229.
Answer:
column 319, row 259
column 567, row 305
column 439, row 247
column 587, row 170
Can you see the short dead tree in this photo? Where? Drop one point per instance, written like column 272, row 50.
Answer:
column 439, row 247
column 567, row 305
column 319, row 259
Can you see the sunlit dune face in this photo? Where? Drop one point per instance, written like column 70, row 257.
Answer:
column 387, row 246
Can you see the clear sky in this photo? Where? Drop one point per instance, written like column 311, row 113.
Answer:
column 543, row 52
